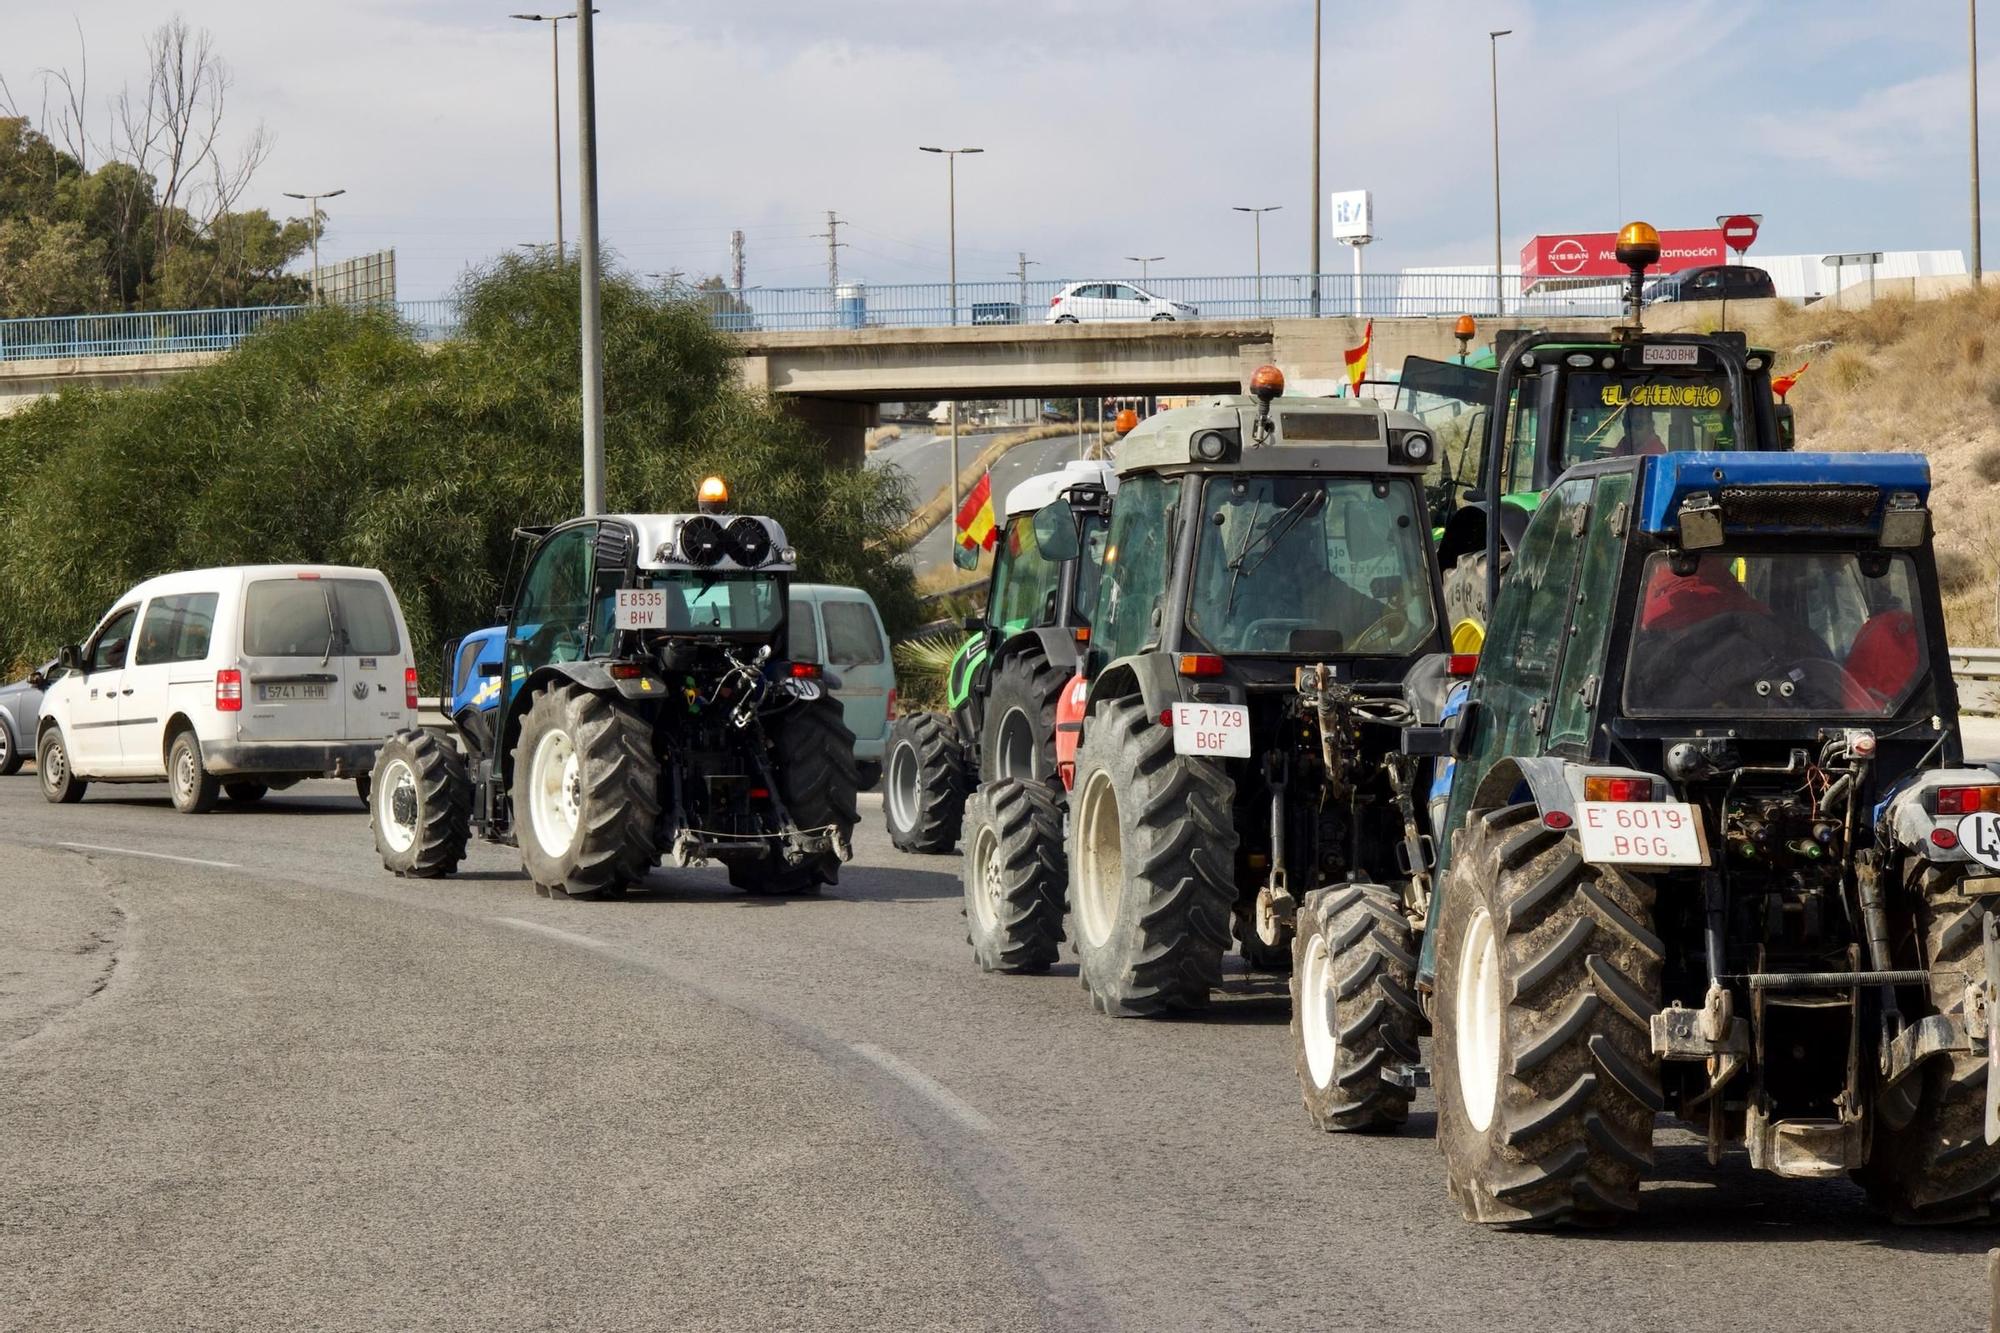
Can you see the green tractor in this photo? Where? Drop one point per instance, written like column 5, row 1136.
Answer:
column 1001, row 687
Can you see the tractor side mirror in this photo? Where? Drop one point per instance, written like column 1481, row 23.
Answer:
column 1463, row 728
column 975, row 624
column 70, row 657
column 1055, row 531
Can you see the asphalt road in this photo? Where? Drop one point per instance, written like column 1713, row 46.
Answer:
column 926, row 461
column 268, row 1085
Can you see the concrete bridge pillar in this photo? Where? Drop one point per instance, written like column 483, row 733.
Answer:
column 840, row 423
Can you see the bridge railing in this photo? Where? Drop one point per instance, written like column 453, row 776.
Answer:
column 905, row 305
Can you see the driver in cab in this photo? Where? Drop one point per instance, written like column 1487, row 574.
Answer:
column 1275, row 590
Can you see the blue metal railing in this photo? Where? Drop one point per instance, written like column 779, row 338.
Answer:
column 909, row 305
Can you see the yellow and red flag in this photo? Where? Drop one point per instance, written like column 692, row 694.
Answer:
column 978, row 529
column 1357, row 361
column 1782, row 385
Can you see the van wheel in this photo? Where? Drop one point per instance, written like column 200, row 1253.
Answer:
column 10, row 753
column 60, row 784
column 195, row 789
column 245, row 793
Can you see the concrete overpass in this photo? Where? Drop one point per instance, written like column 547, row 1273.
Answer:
column 834, row 380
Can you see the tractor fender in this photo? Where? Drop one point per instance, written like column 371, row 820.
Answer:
column 590, row 674
column 1056, row 645
column 1904, row 817
column 1426, row 687
column 1152, row 677
column 1070, row 707
column 1554, row 785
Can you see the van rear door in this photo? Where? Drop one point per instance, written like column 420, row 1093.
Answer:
column 294, row 686
column 857, row 652
column 373, row 656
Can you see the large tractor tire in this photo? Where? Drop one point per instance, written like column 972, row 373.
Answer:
column 1465, row 599
column 1018, row 737
column 586, row 793
column 1355, row 1014
column 1548, row 979
column 1152, row 886
column 1932, row 1163
column 420, row 805
column 924, row 783
column 1015, row 877
column 818, row 779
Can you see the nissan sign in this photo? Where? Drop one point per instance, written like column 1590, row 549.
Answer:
column 1593, row 254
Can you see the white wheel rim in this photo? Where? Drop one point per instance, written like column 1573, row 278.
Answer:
column 555, row 793
column 396, row 777
column 903, row 785
column 184, row 778
column 1477, row 1008
column 988, row 885
column 1316, row 1023
column 1014, row 754
column 1101, row 865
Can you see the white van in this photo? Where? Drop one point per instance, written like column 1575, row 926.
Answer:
column 232, row 682
column 840, row 629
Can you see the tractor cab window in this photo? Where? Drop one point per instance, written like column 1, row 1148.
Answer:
column 1590, row 615
column 1024, row 581
column 1310, row 565
column 1135, row 566
column 701, row 601
column 552, row 611
column 1092, row 529
column 1772, row 634
column 1617, row 416
column 1524, row 419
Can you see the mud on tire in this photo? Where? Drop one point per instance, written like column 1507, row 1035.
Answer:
column 1548, row 977
column 1152, row 888
column 1015, row 875
column 420, row 806
column 923, row 783
column 1355, row 1015
column 1017, row 738
column 1465, row 589
column 594, row 829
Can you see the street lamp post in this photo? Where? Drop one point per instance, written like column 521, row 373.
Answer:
column 951, row 156
column 1972, row 53
column 1315, row 164
column 1144, row 262
column 315, row 198
column 1493, row 53
column 1257, row 220
column 555, row 74
column 587, row 260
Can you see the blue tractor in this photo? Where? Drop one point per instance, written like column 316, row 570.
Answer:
column 637, row 705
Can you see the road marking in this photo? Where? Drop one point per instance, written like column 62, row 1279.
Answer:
column 944, row 1098
column 152, row 856
column 540, row 929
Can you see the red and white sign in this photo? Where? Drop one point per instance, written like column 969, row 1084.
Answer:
column 1595, row 254
column 1739, row 230
column 1212, row 729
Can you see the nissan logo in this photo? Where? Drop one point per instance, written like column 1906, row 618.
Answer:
column 1567, row 255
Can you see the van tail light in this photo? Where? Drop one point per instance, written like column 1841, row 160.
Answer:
column 1617, row 789
column 892, row 703
column 805, row 671
column 1968, row 800
column 229, row 690
column 409, row 687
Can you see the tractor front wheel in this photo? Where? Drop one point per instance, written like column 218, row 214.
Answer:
column 1014, row 875
column 586, row 793
column 420, row 804
column 1355, row 1014
column 1018, row 738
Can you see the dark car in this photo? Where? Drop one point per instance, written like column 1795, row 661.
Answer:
column 1712, row 282
column 20, row 709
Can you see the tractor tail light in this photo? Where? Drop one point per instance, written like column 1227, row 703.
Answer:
column 625, row 670
column 409, row 687
column 1557, row 819
column 229, row 690
column 1200, row 664
column 1968, row 800
column 1617, row 789
column 1944, row 838
column 1462, row 664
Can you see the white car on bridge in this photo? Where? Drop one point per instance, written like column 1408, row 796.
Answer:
column 1107, row 302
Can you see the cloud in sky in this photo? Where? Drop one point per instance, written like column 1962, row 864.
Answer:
column 1112, row 127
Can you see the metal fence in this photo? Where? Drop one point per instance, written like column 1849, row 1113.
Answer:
column 906, row 306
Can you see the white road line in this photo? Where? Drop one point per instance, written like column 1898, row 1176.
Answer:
column 944, row 1098
column 540, row 929
column 151, row 856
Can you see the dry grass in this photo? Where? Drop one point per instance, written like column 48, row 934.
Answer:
column 1912, row 375
column 881, row 435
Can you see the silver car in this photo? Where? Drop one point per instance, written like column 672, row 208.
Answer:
column 20, row 709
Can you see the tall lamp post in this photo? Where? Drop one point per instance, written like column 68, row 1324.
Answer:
column 951, row 156
column 1972, row 52
column 316, row 221
column 1257, row 219
column 1144, row 262
column 1493, row 53
column 1315, row 167
column 555, row 85
column 587, row 261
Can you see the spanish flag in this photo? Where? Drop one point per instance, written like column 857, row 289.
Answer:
column 1357, row 361
column 977, row 528
column 1782, row 384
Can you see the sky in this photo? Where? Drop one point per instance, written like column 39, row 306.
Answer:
column 1110, row 127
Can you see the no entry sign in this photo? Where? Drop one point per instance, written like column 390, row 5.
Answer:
column 1739, row 230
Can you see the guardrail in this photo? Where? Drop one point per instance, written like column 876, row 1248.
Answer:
column 904, row 305
column 1977, row 674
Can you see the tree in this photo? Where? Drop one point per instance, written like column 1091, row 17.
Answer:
column 339, row 436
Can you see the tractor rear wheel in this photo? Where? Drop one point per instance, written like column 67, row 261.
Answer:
column 1937, row 1166
column 1355, row 1014
column 1465, row 599
column 1015, row 878
column 1018, row 736
column 586, row 793
column 1152, row 885
column 817, row 778
column 1548, row 979
column 420, row 805
column 924, row 783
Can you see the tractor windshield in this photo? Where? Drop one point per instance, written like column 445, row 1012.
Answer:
column 1612, row 416
column 1766, row 635
column 1091, row 528
column 1311, row 565
column 715, row 602
column 1024, row 580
